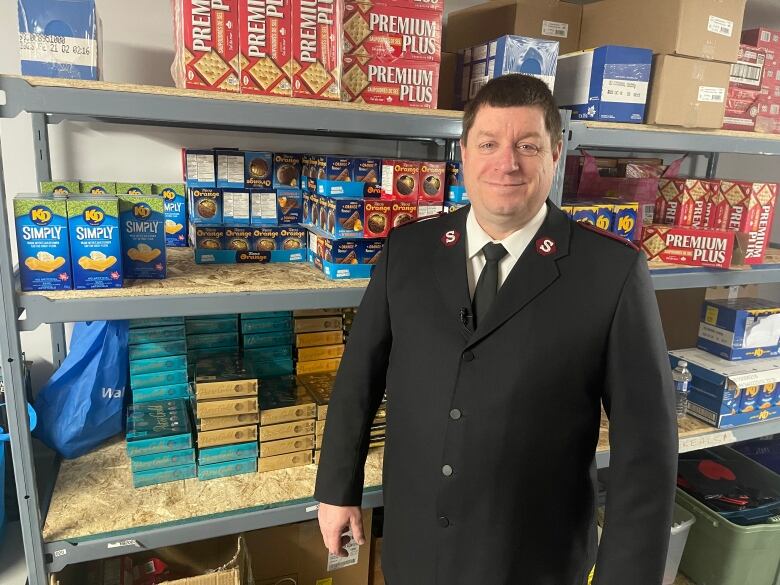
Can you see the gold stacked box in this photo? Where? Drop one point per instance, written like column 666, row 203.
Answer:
column 319, row 340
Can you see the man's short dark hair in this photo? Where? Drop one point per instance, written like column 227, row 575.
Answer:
column 513, row 90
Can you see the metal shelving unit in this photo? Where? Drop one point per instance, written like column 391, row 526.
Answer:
column 51, row 100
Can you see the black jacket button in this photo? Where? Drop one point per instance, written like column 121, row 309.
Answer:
column 468, row 356
column 444, row 521
column 446, row 470
column 455, row 414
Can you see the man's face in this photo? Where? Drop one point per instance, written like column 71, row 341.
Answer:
column 508, row 164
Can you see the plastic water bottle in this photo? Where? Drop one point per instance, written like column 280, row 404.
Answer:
column 682, row 378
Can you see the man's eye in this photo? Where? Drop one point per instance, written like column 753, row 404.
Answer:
column 528, row 148
column 487, row 146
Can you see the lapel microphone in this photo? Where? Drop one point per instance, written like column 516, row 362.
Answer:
column 465, row 317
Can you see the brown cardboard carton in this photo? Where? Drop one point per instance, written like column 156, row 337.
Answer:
column 688, row 92
column 543, row 19
column 447, row 73
column 704, row 29
column 286, row 430
column 285, row 461
column 284, row 446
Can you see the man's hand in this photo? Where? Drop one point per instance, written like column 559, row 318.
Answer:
column 334, row 522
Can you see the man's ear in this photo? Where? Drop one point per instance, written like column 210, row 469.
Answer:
column 556, row 153
column 462, row 150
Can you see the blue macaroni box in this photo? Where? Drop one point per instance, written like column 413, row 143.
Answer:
column 236, row 207
column 140, row 381
column 157, row 393
column 205, row 205
column 142, row 218
column 222, row 325
column 156, row 334
column 42, row 242
column 164, row 475
column 59, row 187
column 97, row 188
column 266, row 325
column 608, row 83
column 268, row 339
column 159, row 364
column 258, row 169
column 740, row 329
column 211, row 455
column 604, row 216
column 155, row 322
column 585, row 213
column 175, row 203
column 95, row 242
column 226, row 469
column 624, row 219
column 133, row 188
column 230, row 168
column 161, row 460
column 157, row 349
column 725, row 393
column 199, row 168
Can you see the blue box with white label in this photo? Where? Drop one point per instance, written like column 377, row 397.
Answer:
column 166, row 392
column 139, row 381
column 608, row 83
column 142, row 218
column 227, row 469
column 740, row 329
column 157, row 349
column 211, row 455
column 164, row 475
column 175, row 204
column 155, row 365
column 156, row 334
column 162, row 460
column 95, row 242
column 266, row 325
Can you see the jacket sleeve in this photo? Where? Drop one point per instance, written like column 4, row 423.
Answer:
column 639, row 400
column 356, row 396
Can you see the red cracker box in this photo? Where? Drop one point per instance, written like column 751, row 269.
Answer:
column 670, row 201
column 403, row 212
column 401, row 180
column 698, row 191
column 391, row 32
column 748, row 71
column 434, row 5
column 694, row 246
column 432, row 182
column 765, row 195
column 378, row 218
column 742, row 107
column 713, row 187
column 266, row 46
column 768, row 116
column 735, row 208
column 411, row 84
column 316, row 64
column 207, row 44
column 762, row 37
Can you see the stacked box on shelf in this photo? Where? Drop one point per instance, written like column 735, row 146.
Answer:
column 210, row 335
column 267, row 342
column 765, row 43
column 287, row 423
column 319, row 337
column 392, row 52
column 158, row 359
column 619, row 217
column 227, row 414
column 159, row 442
column 348, row 314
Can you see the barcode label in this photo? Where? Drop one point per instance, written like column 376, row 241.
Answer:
column 746, row 73
column 712, row 94
column 720, row 26
column 555, row 29
column 476, row 85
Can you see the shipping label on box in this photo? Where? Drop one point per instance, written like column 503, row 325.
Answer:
column 412, row 84
column 748, row 71
column 694, row 246
column 607, row 83
column 389, row 32
column 266, row 46
column 208, row 49
column 740, row 329
column 317, row 51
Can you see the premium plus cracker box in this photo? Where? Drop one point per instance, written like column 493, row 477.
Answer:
column 317, row 49
column 413, row 84
column 266, row 46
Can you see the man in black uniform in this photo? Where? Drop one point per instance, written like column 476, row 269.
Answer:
column 499, row 331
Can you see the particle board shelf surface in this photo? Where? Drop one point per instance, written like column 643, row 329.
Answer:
column 94, row 494
column 185, row 277
column 681, row 131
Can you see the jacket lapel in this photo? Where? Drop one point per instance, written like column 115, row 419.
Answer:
column 534, row 271
column 449, row 266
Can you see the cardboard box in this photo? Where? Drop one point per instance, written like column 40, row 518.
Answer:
column 227, row 422
column 740, row 329
column 286, row 430
column 718, row 387
column 226, row 407
column 609, row 83
column 284, row 461
column 319, row 338
column 705, row 29
column 207, row 45
column 266, row 46
column 320, row 353
column 688, row 92
column 448, row 67
column 229, row 436
column 544, row 19
column 317, row 324
column 285, row 446
column 317, row 49
column 318, row 366
column 762, row 37
column 403, row 83
column 504, row 55
column 694, row 246
column 742, row 108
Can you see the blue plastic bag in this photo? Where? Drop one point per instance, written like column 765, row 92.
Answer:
column 82, row 403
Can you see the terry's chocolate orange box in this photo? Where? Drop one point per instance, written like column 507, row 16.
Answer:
column 403, row 212
column 378, row 218
column 400, row 179
column 432, row 182
column 207, row 44
column 316, row 64
column 266, row 46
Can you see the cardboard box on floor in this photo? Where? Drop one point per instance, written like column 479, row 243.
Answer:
column 552, row 20
column 295, row 552
column 704, row 29
column 687, row 92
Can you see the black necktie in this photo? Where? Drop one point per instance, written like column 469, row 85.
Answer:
column 487, row 286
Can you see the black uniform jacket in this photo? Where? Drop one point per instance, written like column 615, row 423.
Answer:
column 489, row 458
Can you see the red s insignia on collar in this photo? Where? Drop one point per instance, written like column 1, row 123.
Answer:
column 546, row 246
column 450, row 238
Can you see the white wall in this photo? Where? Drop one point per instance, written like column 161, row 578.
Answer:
column 138, row 48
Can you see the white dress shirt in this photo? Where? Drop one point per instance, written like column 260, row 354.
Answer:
column 515, row 245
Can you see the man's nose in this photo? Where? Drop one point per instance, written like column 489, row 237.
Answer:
column 508, row 159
